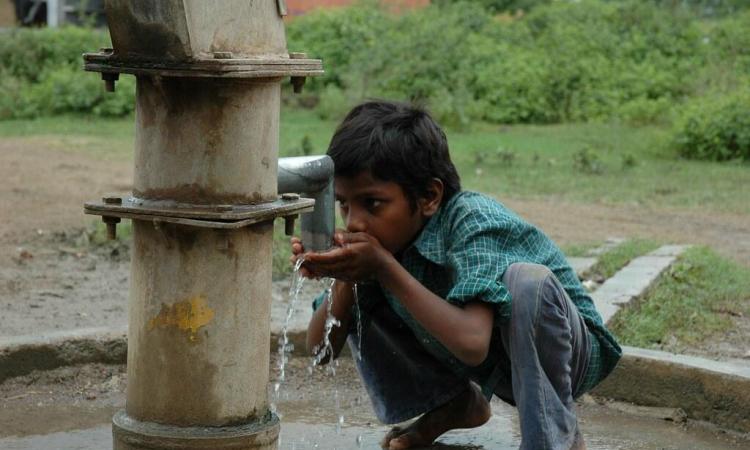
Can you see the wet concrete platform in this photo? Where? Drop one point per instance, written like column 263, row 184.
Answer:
column 320, row 411
column 604, row 429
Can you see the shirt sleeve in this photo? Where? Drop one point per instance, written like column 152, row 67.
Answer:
column 478, row 261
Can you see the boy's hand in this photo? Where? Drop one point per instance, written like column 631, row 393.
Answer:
column 297, row 251
column 357, row 257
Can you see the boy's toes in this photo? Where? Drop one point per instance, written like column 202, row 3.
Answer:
column 395, row 431
column 404, row 441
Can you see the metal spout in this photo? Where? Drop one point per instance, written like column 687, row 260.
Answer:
column 312, row 176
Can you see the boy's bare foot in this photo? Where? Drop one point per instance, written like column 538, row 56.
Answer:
column 467, row 410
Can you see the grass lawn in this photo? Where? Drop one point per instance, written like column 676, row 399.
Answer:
column 689, row 303
column 573, row 162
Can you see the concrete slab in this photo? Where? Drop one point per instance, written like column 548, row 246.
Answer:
column 581, row 264
column 324, row 412
column 608, row 245
column 632, row 280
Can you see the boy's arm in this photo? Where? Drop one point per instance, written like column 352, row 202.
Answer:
column 465, row 332
column 343, row 298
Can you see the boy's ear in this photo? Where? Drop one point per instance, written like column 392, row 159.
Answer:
column 430, row 203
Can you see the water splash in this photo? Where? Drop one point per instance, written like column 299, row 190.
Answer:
column 325, row 348
column 358, row 312
column 285, row 348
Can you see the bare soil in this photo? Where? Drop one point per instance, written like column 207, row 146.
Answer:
column 49, row 278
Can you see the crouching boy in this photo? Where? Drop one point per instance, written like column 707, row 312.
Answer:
column 458, row 298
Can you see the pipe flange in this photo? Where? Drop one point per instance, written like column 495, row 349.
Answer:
column 204, row 216
column 132, row 434
column 223, row 67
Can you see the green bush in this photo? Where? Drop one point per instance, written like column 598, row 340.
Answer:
column 715, row 128
column 563, row 61
column 41, row 75
column 29, row 53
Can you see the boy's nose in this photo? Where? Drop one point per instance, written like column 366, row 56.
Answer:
column 355, row 223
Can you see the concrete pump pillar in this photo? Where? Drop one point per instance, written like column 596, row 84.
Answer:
column 204, row 197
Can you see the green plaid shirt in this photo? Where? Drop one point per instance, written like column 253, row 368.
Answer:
column 461, row 256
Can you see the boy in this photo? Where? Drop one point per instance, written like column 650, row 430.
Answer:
column 458, row 298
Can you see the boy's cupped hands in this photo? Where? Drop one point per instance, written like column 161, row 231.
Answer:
column 354, row 257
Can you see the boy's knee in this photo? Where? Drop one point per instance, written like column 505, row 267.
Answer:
column 525, row 279
column 526, row 283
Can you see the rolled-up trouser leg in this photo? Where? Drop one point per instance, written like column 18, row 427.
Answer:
column 402, row 379
column 549, row 346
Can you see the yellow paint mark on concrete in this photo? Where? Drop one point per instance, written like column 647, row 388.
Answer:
column 189, row 315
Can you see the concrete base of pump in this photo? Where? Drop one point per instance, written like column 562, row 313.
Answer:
column 132, row 434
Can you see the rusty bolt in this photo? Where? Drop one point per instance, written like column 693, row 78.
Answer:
column 111, row 223
column 112, row 200
column 223, row 55
column 223, row 208
column 289, row 224
column 109, row 80
column 289, row 196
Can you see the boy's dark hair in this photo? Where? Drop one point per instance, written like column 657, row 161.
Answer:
column 395, row 142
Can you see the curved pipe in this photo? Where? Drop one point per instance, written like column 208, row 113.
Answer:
column 312, row 176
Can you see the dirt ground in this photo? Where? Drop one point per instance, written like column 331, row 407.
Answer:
column 45, row 276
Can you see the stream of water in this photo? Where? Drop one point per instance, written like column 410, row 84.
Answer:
column 325, row 348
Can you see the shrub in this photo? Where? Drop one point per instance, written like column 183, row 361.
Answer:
column 28, row 53
column 41, row 75
column 715, row 128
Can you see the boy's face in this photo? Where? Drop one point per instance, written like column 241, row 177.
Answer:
column 380, row 209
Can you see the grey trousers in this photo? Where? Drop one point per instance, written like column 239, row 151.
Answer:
column 545, row 348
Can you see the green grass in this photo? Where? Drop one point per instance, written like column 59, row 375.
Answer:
column 612, row 164
column 689, row 303
column 579, row 249
column 615, row 259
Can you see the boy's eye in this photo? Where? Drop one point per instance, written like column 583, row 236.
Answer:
column 372, row 203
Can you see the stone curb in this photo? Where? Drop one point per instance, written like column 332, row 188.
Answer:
column 23, row 354
column 712, row 391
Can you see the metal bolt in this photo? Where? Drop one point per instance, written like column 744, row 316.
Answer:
column 297, row 83
column 109, row 80
column 112, row 200
column 281, row 4
column 289, row 224
column 289, row 196
column 223, row 55
column 111, row 223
